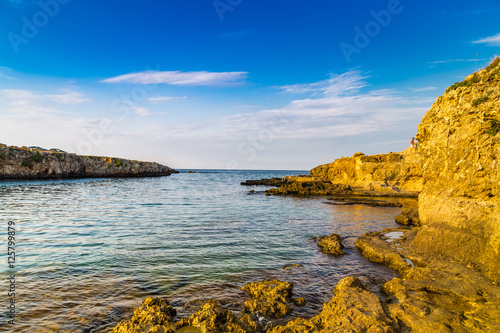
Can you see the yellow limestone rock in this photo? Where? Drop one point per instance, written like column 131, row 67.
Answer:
column 459, row 206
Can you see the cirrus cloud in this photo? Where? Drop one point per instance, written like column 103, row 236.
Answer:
column 180, row 78
column 164, row 99
column 490, row 41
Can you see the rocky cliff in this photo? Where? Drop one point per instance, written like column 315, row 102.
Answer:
column 24, row 163
column 460, row 150
column 401, row 171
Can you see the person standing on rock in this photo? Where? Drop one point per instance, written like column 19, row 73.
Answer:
column 412, row 144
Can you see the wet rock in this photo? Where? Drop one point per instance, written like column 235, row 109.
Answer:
column 301, row 301
column 352, row 309
column 436, row 295
column 375, row 247
column 248, row 324
column 270, row 298
column 298, row 325
column 266, row 182
column 446, row 297
column 310, row 188
column 214, row 318
column 409, row 217
column 291, row 266
column 154, row 315
column 331, row 245
column 362, row 201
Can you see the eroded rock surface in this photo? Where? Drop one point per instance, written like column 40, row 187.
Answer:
column 432, row 295
column 313, row 187
column 266, row 182
column 331, row 244
column 342, row 201
column 214, row 318
column 375, row 247
column 460, row 147
column 408, row 217
column 154, row 315
column 271, row 298
column 352, row 309
column 391, row 172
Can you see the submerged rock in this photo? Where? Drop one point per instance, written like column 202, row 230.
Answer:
column 331, row 245
column 270, row 298
column 291, row 266
column 154, row 315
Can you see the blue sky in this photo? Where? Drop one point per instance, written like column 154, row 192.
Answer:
column 232, row 83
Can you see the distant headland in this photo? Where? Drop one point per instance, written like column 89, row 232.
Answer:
column 39, row 163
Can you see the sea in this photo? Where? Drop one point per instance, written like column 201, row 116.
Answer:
column 87, row 251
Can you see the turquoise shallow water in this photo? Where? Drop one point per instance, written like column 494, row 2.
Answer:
column 88, row 250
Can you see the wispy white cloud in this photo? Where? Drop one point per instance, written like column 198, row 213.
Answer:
column 249, row 106
column 180, row 78
column 336, row 84
column 6, row 73
column 441, row 62
column 423, row 89
column 140, row 111
column 164, row 99
column 490, row 41
column 333, row 109
column 336, row 108
column 24, row 97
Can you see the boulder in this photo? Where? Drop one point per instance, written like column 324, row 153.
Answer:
column 270, row 298
column 408, row 217
column 331, row 245
column 154, row 315
column 352, row 309
column 214, row 318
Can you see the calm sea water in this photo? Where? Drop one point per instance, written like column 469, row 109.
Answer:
column 90, row 250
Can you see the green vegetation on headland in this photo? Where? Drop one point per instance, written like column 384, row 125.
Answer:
column 495, row 127
column 39, row 163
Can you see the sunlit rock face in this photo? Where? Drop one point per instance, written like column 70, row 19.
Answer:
column 460, row 149
column 385, row 172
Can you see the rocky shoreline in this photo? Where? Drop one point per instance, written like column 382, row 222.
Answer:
column 37, row 163
column 446, row 254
